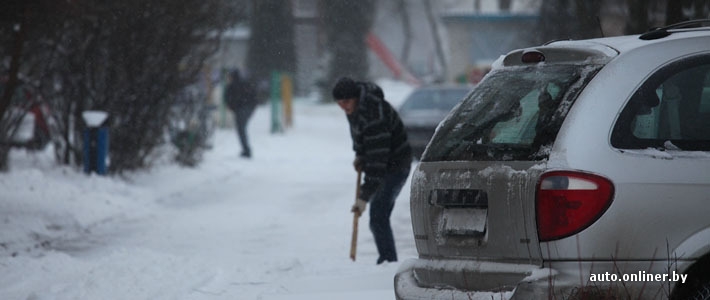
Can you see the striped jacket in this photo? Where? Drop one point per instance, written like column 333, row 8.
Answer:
column 379, row 139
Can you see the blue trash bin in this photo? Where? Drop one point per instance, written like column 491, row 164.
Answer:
column 96, row 142
column 95, row 150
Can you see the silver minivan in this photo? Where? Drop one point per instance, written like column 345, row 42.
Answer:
column 574, row 170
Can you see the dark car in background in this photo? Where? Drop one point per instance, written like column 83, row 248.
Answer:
column 424, row 109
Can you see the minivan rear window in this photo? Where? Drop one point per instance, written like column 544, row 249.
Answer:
column 514, row 114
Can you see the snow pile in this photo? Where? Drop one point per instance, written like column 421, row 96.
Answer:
column 45, row 207
column 122, row 274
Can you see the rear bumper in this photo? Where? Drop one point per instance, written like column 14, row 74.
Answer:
column 462, row 279
column 444, row 279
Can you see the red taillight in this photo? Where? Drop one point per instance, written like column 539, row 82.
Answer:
column 568, row 202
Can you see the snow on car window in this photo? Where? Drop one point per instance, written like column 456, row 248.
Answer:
column 512, row 115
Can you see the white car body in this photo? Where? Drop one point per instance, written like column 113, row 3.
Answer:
column 477, row 221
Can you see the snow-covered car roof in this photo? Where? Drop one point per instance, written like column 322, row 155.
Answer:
column 627, row 43
column 599, row 50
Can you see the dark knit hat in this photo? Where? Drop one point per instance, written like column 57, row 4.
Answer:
column 345, row 88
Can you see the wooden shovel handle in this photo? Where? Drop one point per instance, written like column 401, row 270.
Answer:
column 356, row 217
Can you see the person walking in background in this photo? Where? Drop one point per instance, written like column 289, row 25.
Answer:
column 240, row 97
column 381, row 151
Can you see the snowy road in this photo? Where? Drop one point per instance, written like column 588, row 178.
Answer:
column 274, row 227
column 278, row 224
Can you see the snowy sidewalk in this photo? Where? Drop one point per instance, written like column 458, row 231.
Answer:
column 274, row 227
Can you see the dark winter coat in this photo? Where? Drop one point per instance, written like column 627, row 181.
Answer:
column 240, row 95
column 379, row 139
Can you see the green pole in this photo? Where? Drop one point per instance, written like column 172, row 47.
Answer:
column 275, row 97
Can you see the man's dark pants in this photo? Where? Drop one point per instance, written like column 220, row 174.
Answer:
column 381, row 205
column 241, row 118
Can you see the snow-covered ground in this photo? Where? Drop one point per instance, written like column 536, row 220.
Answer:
column 274, row 227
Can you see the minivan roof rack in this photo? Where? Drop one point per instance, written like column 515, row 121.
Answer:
column 658, row 33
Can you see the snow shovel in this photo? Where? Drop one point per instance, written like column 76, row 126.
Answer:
column 356, row 216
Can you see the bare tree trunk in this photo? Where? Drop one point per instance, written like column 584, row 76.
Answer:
column 674, row 12
column 437, row 38
column 407, row 30
column 271, row 43
column 504, row 5
column 347, row 24
column 701, row 9
column 638, row 17
column 588, row 18
column 11, row 85
column 12, row 80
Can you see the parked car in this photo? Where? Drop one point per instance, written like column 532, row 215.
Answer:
column 423, row 110
column 574, row 169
